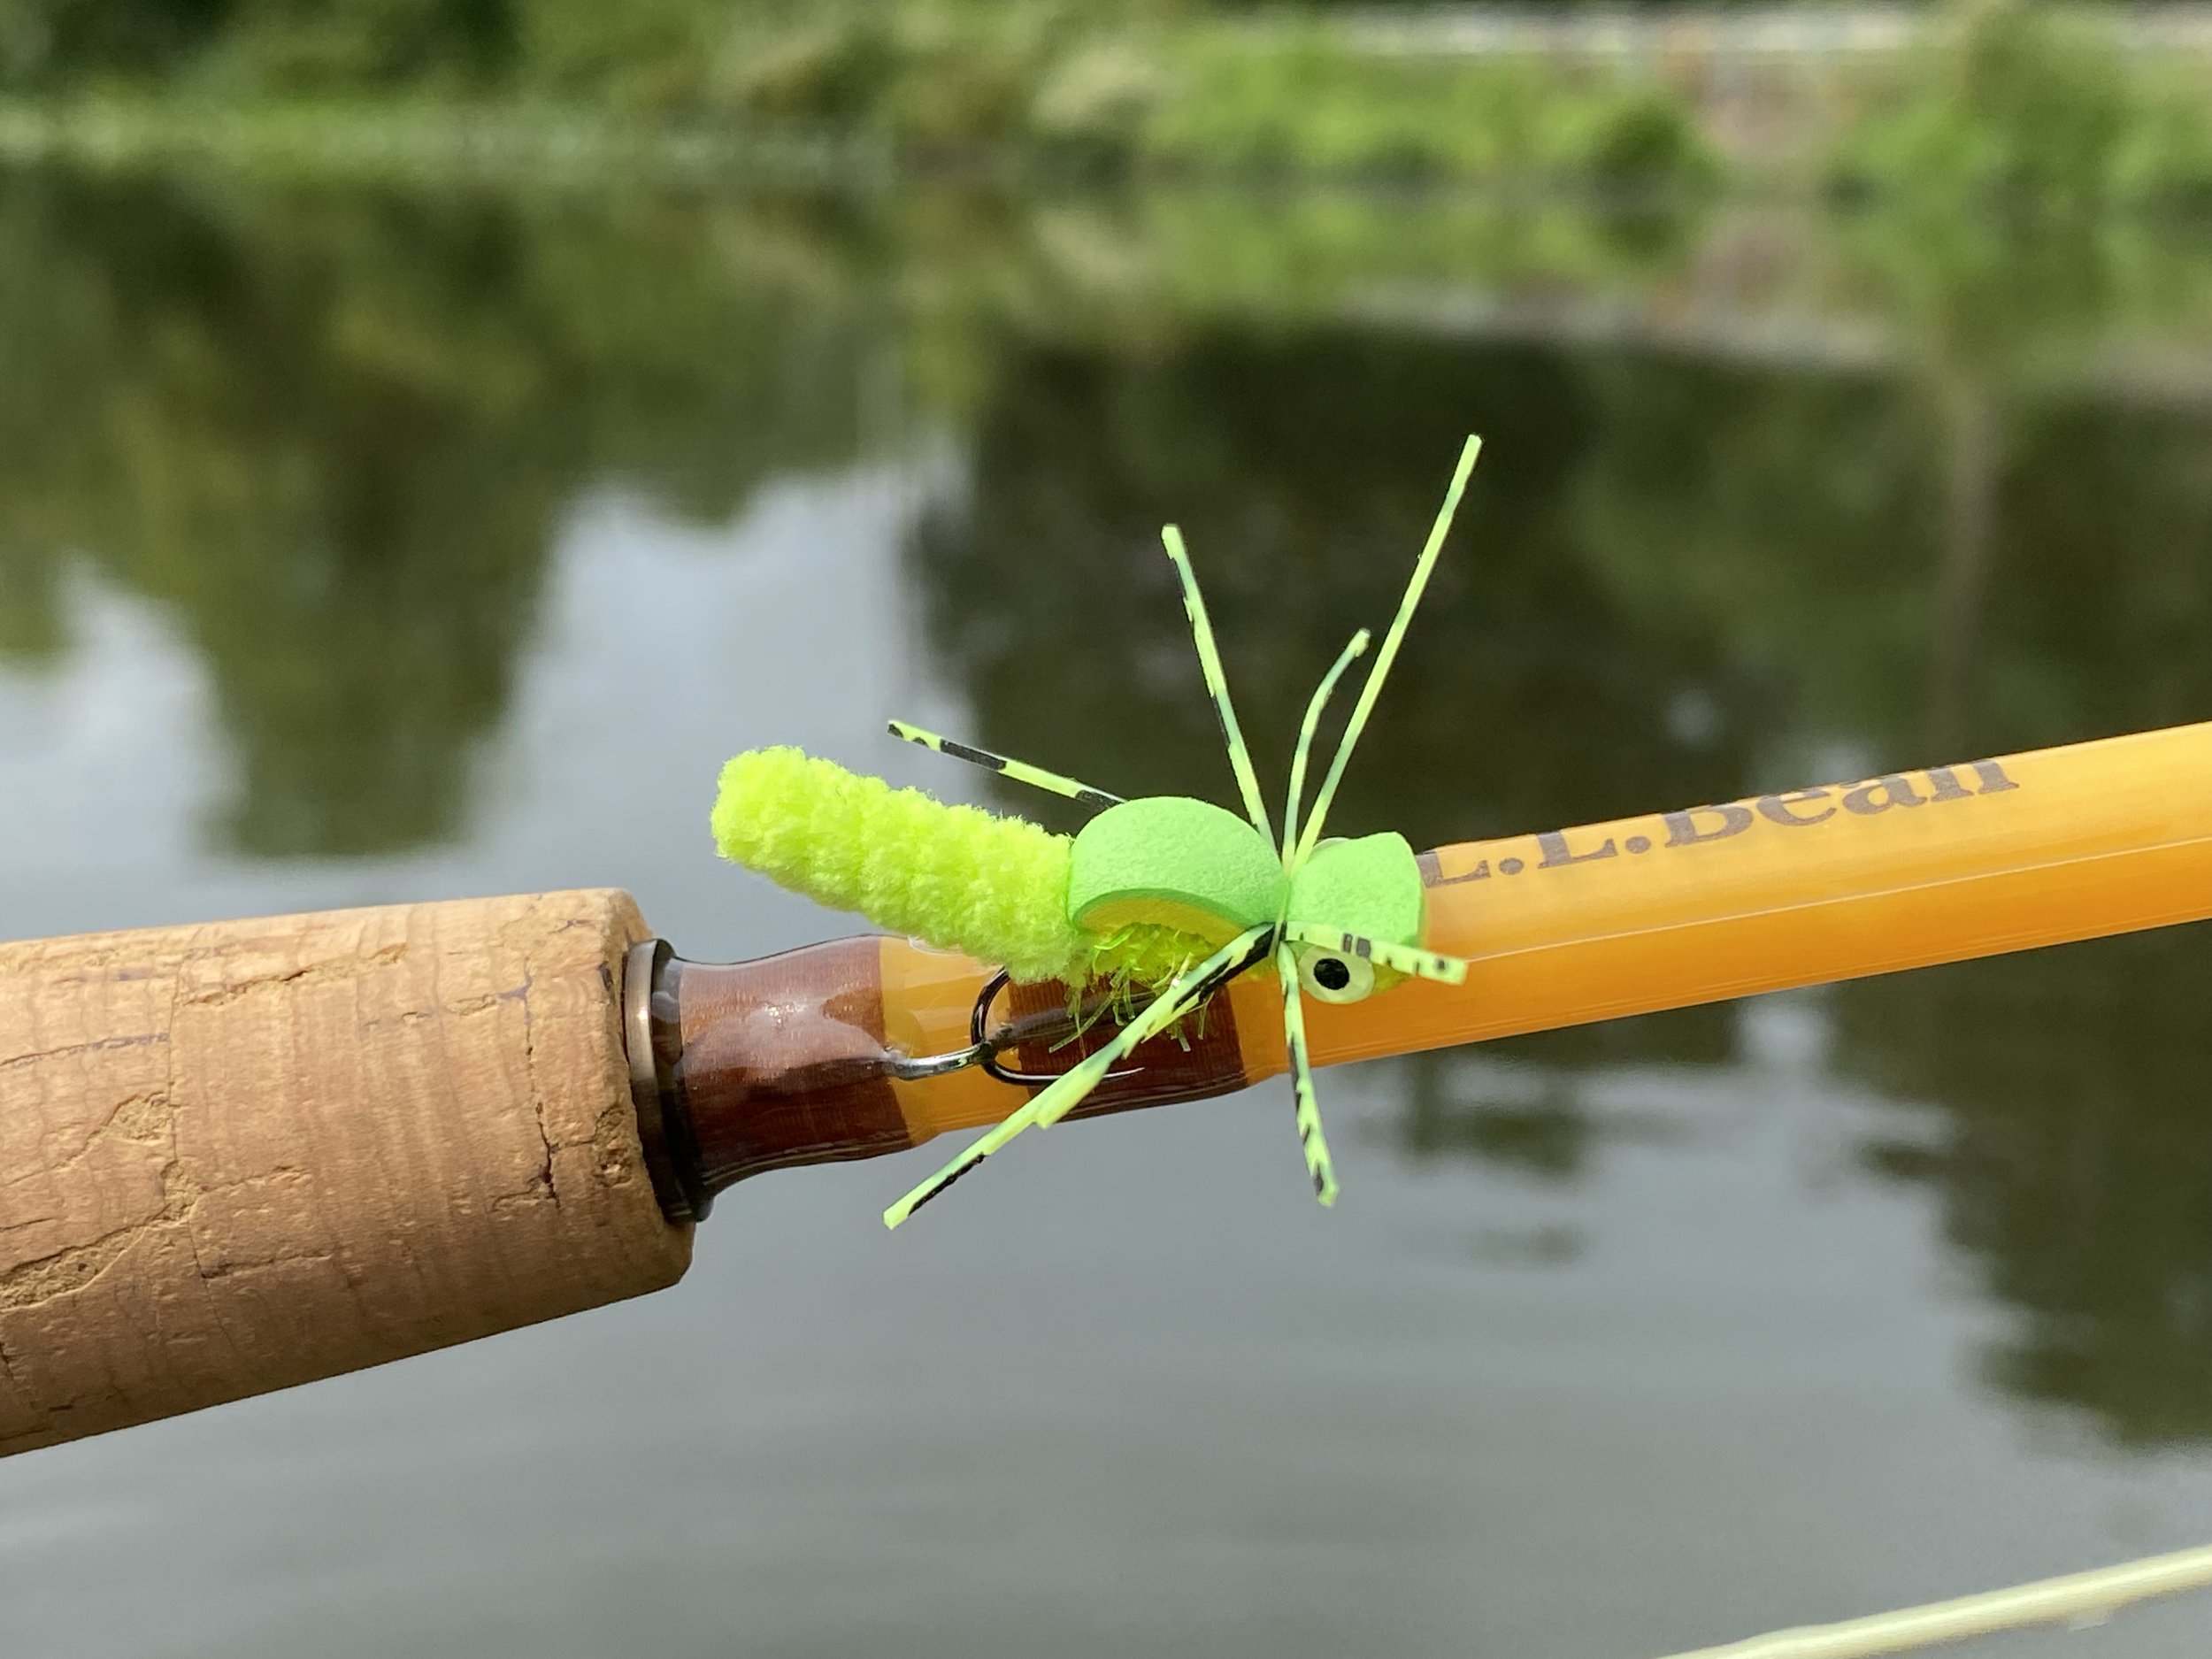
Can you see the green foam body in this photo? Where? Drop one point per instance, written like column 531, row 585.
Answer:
column 956, row 876
column 1371, row 886
column 1176, row 862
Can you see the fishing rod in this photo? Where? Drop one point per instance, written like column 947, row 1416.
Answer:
column 249, row 1153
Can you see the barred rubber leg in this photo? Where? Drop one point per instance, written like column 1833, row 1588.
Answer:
column 1019, row 771
column 1311, row 724
column 1069, row 1091
column 967, row 1160
column 1424, row 965
column 1310, row 835
column 1315, row 1143
column 1217, row 685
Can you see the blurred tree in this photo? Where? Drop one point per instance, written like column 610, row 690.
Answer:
column 57, row 39
column 306, row 44
column 288, row 42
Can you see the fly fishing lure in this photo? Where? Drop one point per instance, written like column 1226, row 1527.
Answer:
column 1165, row 896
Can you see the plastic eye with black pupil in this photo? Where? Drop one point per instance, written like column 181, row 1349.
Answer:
column 1330, row 976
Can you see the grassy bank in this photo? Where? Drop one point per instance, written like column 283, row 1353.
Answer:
column 1999, row 104
column 1072, row 89
column 418, row 141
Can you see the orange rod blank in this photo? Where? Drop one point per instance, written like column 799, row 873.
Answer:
column 1801, row 887
column 1798, row 887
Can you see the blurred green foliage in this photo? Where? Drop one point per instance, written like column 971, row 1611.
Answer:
column 1301, row 103
column 2034, row 107
column 290, row 44
column 1086, row 85
column 2012, row 104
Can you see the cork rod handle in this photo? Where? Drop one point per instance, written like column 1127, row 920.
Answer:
column 238, row 1156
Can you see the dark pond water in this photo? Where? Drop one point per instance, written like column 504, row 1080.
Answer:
column 359, row 546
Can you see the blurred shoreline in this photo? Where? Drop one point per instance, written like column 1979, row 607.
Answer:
column 2004, row 105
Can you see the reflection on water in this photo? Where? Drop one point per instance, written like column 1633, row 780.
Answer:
column 1532, row 1113
column 1302, row 470
column 2065, row 1129
column 1750, row 515
column 334, row 439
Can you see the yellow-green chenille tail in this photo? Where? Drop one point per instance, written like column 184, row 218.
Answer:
column 956, row 876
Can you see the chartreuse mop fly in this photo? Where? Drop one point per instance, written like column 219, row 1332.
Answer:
column 1166, row 895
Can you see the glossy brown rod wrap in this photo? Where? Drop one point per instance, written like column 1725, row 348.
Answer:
column 794, row 1059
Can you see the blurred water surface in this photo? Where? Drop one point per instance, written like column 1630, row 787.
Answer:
column 360, row 546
